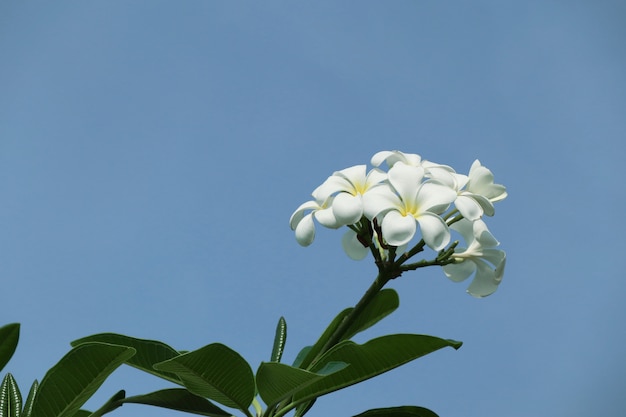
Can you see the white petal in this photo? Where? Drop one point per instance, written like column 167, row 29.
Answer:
column 476, row 164
column 297, row 215
column 483, row 235
column 484, row 282
column 391, row 157
column 375, row 176
column 380, row 157
column 485, row 203
column 347, row 208
column 406, row 181
column 468, row 207
column 326, row 218
column 459, row 271
column 434, row 230
column 442, row 175
column 498, row 193
column 398, row 229
column 412, row 159
column 495, row 256
column 500, row 267
column 428, row 165
column 466, row 229
column 379, row 200
column 481, row 182
column 481, row 176
column 305, row 231
column 435, row 197
column 332, row 185
column 353, row 248
column 355, row 175
column 461, row 180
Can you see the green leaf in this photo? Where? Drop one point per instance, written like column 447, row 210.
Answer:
column 370, row 359
column 148, row 353
column 276, row 381
column 180, row 400
column 30, row 399
column 9, row 336
column 308, row 353
column 10, row 398
column 384, row 303
column 303, row 408
column 113, row 403
column 279, row 340
column 216, row 372
column 405, row 411
column 302, row 355
column 76, row 377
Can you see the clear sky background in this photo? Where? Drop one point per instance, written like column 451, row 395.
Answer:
column 151, row 153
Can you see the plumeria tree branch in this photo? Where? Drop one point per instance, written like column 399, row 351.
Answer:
column 394, row 215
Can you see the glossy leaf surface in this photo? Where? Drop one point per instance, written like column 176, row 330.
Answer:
column 405, row 411
column 216, row 372
column 384, row 303
column 180, row 400
column 148, row 352
column 276, row 381
column 9, row 336
column 370, row 359
column 76, row 377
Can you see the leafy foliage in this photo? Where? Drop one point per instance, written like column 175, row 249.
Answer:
column 216, row 372
column 9, row 336
column 76, row 377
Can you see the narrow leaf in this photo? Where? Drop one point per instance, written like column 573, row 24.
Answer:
column 276, row 381
column 279, row 340
column 180, row 400
column 9, row 336
column 10, row 398
column 76, row 377
column 30, row 399
column 405, row 411
column 148, row 353
column 370, row 359
column 216, row 372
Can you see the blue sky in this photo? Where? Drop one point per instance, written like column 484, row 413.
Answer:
column 151, row 154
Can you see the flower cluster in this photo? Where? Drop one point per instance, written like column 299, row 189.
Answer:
column 385, row 211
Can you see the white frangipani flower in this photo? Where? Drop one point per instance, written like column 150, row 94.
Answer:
column 476, row 258
column 302, row 222
column 387, row 210
column 348, row 187
column 405, row 202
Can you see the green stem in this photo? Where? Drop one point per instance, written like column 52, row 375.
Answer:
column 406, row 255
